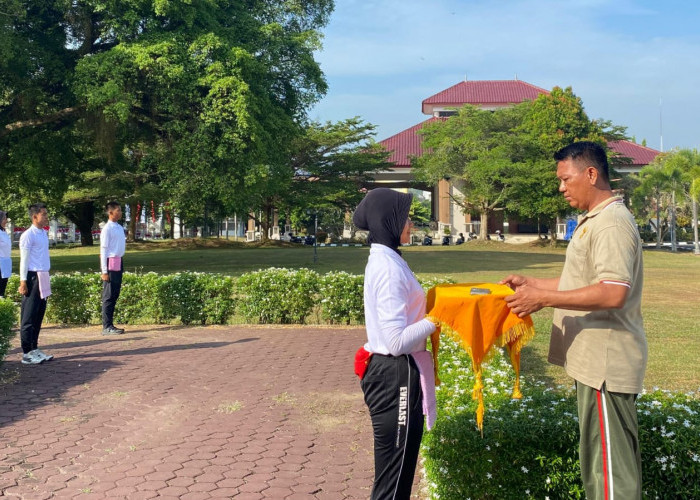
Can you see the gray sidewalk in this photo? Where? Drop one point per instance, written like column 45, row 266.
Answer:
column 189, row 413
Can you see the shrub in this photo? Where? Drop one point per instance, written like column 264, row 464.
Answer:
column 217, row 297
column 428, row 283
column 138, row 300
column 69, row 297
column 180, row 295
column 11, row 292
column 669, row 435
column 342, row 297
column 93, row 300
column 8, row 318
column 530, row 446
column 277, row 295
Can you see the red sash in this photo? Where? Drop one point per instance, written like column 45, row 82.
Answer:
column 362, row 358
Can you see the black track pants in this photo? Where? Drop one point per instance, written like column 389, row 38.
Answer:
column 32, row 313
column 393, row 395
column 110, row 294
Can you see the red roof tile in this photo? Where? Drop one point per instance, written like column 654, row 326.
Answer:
column 405, row 144
column 485, row 92
column 640, row 155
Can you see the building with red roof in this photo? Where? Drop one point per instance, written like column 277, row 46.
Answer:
column 485, row 94
column 640, row 155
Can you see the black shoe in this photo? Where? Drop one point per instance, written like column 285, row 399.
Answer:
column 112, row 330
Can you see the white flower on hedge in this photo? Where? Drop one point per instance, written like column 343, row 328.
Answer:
column 548, row 481
column 524, row 469
column 488, row 475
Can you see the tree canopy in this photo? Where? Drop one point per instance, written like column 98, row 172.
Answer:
column 131, row 96
column 502, row 160
column 670, row 182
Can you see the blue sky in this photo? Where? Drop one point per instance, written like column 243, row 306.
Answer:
column 635, row 62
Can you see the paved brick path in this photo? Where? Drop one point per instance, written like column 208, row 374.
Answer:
column 188, row 413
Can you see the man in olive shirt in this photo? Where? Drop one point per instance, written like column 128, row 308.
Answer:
column 597, row 331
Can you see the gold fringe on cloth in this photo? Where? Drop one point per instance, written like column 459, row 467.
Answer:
column 478, row 323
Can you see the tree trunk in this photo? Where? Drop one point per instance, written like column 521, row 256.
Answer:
column 658, row 222
column 484, row 229
column 553, row 233
column 83, row 216
column 674, row 246
column 696, row 245
column 133, row 207
column 265, row 221
column 206, row 216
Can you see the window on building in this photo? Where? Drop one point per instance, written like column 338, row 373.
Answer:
column 445, row 114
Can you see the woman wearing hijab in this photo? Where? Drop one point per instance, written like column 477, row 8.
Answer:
column 5, row 249
column 396, row 328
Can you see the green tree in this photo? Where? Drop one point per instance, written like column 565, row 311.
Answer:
column 551, row 122
column 479, row 152
column 503, row 160
column 187, row 95
column 663, row 182
column 324, row 172
column 683, row 168
column 420, row 211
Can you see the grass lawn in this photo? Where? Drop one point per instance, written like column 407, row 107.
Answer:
column 671, row 305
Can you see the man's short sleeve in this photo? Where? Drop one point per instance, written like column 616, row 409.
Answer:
column 614, row 251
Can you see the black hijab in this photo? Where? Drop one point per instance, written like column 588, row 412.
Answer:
column 383, row 212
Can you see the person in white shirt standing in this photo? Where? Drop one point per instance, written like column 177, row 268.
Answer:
column 5, row 256
column 34, row 284
column 396, row 334
column 112, row 248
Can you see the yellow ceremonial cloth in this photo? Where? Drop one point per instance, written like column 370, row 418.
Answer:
column 480, row 322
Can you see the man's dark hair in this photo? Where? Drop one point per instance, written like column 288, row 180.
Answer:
column 589, row 153
column 112, row 205
column 35, row 209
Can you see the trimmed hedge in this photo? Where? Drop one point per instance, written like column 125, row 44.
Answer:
column 530, row 447
column 277, row 295
column 267, row 296
column 342, row 297
column 8, row 317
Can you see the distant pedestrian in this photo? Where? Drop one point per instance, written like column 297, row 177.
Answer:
column 5, row 258
column 112, row 248
column 34, row 284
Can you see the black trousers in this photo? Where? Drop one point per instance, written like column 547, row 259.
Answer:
column 3, row 286
column 110, row 294
column 32, row 313
column 393, row 395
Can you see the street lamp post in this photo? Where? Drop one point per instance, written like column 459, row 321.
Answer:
column 315, row 213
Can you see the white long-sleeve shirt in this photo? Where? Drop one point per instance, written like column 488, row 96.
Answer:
column 112, row 243
column 394, row 305
column 5, row 254
column 33, row 251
